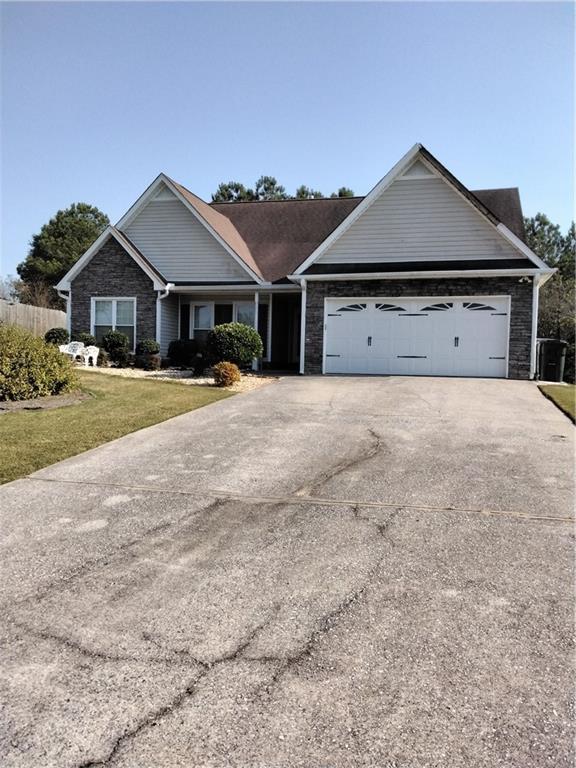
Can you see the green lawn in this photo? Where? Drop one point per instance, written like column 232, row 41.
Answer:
column 562, row 395
column 31, row 440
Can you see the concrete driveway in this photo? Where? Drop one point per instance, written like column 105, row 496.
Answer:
column 322, row 573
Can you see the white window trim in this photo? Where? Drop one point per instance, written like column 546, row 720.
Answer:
column 234, row 303
column 113, row 299
column 193, row 305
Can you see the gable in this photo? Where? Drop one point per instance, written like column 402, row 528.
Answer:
column 419, row 217
column 179, row 245
column 111, row 272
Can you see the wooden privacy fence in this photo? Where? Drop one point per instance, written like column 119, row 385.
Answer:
column 35, row 319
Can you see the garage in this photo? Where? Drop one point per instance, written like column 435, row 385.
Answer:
column 428, row 336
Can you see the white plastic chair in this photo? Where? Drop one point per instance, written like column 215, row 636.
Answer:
column 90, row 352
column 74, row 349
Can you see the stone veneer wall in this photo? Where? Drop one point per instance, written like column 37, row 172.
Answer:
column 112, row 272
column 520, row 320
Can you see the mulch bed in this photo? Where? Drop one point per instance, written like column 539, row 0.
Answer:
column 43, row 403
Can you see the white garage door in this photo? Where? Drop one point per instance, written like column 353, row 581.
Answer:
column 467, row 336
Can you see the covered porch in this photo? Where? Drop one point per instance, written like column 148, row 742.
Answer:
column 190, row 312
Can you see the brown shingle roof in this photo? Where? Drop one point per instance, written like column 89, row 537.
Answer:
column 281, row 234
column 505, row 204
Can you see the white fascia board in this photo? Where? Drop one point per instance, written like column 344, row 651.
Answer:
column 149, row 193
column 523, row 248
column 421, row 275
column 383, row 184
column 65, row 283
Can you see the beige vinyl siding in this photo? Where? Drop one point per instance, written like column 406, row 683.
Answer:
column 169, row 314
column 416, row 220
column 180, row 246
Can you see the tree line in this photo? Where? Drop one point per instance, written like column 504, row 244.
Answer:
column 268, row 188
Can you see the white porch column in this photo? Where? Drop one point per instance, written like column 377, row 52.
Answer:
column 303, row 325
column 256, row 307
column 269, row 330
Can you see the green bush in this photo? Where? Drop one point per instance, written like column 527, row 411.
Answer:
column 235, row 343
column 116, row 344
column 182, row 352
column 147, row 347
column 147, row 355
column 30, row 368
column 226, row 374
column 57, row 336
column 87, row 339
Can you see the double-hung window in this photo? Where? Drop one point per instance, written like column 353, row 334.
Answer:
column 116, row 314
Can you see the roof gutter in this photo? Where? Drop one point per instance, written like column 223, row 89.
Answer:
column 238, row 288
column 423, row 275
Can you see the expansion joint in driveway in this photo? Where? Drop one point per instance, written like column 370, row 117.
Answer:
column 295, row 498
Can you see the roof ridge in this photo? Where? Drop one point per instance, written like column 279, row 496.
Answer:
column 286, row 200
column 496, row 189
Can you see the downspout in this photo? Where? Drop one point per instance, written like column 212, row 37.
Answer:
column 302, row 325
column 161, row 294
column 535, row 296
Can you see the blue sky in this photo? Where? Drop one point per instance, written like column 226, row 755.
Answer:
column 98, row 98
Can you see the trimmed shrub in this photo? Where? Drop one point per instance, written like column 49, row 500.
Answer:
column 148, row 362
column 30, row 368
column 236, row 343
column 57, row 336
column 182, row 352
column 147, row 347
column 147, row 355
column 116, row 344
column 87, row 339
column 226, row 374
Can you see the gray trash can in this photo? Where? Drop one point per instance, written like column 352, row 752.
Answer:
column 551, row 359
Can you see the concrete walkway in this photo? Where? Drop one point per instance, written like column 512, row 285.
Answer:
column 325, row 572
